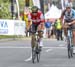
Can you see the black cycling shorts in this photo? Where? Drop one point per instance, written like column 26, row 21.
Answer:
column 72, row 26
column 34, row 28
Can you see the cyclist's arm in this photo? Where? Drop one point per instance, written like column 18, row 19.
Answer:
column 73, row 22
column 62, row 15
column 62, row 18
column 29, row 20
column 73, row 18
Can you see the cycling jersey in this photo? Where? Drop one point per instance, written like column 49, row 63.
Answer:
column 69, row 16
column 36, row 19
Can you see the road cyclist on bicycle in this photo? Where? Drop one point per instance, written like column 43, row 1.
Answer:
column 37, row 26
column 36, row 16
column 69, row 21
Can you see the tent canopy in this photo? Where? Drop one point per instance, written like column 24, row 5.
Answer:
column 53, row 13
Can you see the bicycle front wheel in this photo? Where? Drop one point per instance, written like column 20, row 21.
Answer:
column 38, row 57
column 33, row 55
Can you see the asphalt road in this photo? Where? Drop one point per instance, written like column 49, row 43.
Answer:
column 18, row 54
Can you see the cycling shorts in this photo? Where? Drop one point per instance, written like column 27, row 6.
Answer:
column 72, row 26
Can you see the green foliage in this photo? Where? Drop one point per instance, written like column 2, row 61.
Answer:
column 21, row 5
column 5, row 5
column 4, row 11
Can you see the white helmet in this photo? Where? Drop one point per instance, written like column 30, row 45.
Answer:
column 68, row 5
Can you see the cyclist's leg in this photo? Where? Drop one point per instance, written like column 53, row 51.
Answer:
column 58, row 34
column 61, row 34
column 74, row 37
column 65, row 30
column 73, row 32
column 47, row 32
column 40, row 36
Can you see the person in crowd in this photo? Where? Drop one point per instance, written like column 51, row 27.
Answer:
column 48, row 28
column 58, row 28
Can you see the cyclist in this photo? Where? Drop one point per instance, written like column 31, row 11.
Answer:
column 36, row 16
column 69, row 20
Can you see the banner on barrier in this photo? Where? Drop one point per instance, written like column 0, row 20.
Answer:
column 12, row 27
column 19, row 27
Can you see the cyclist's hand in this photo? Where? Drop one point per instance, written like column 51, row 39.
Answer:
column 66, row 25
column 38, row 20
column 69, row 24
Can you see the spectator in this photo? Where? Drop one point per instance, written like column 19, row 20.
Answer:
column 48, row 26
column 58, row 27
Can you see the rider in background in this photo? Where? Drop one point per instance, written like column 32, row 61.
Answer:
column 69, row 20
column 37, row 18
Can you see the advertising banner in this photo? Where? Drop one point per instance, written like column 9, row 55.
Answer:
column 12, row 27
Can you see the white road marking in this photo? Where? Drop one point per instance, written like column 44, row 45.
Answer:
column 61, row 45
column 48, row 50
column 12, row 47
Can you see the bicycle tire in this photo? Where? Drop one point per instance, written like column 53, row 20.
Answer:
column 69, row 54
column 71, row 51
column 33, row 55
column 70, row 46
column 38, row 57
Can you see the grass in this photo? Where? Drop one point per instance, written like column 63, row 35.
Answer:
column 10, row 36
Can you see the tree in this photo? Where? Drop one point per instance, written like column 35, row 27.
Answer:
column 4, row 11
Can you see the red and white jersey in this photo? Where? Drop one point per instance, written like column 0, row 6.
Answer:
column 36, row 19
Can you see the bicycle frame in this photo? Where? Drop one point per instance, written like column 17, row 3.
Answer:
column 35, row 48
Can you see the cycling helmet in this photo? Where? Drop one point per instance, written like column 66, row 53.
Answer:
column 68, row 5
column 34, row 9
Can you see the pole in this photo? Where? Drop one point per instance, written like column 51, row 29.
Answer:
column 12, row 9
column 48, row 4
column 62, row 4
column 42, row 5
column 17, row 3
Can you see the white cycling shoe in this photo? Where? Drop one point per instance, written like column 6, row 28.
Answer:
column 41, row 44
column 73, row 50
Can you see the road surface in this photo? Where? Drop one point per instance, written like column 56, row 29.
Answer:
column 18, row 54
